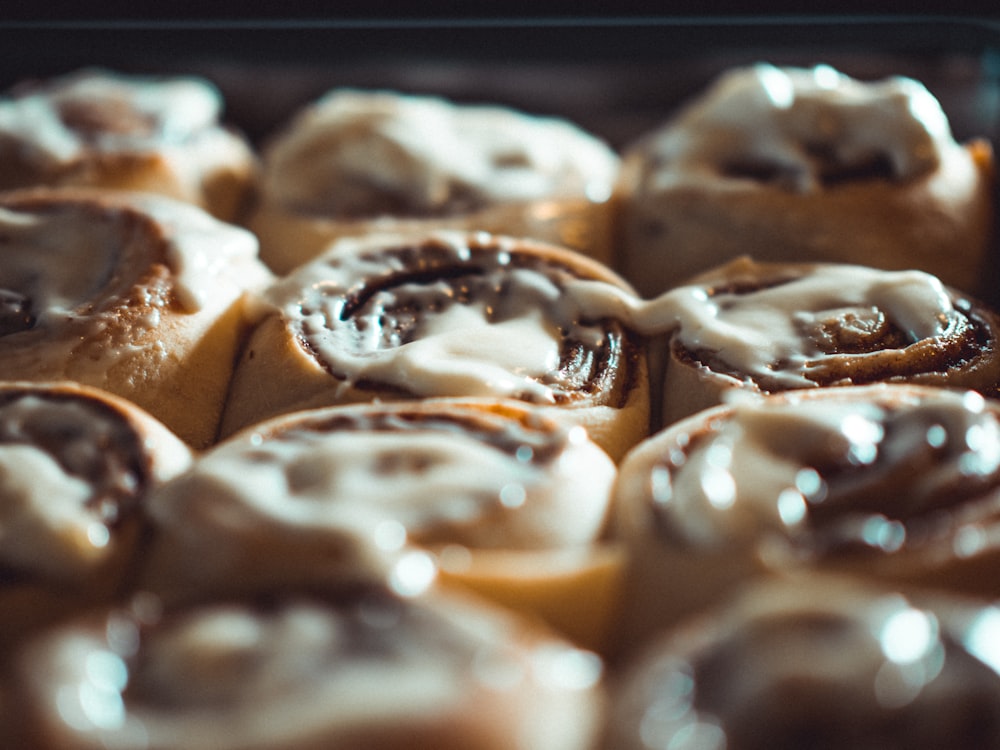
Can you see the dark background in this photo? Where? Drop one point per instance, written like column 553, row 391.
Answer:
column 22, row 10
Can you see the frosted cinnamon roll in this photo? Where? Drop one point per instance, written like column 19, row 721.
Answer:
column 137, row 294
column 76, row 465
column 301, row 671
column 898, row 483
column 793, row 164
column 508, row 503
column 98, row 128
column 821, row 664
column 773, row 327
column 446, row 315
column 355, row 161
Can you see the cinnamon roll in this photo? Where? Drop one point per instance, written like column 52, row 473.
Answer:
column 305, row 671
column 893, row 482
column 76, row 465
column 99, row 128
column 137, row 294
column 508, row 503
column 817, row 663
column 772, row 327
column 355, row 161
column 810, row 165
column 446, row 315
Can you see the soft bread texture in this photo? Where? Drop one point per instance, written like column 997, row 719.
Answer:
column 355, row 161
column 503, row 500
column 98, row 128
column 889, row 482
column 76, row 467
column 137, row 294
column 441, row 315
column 806, row 165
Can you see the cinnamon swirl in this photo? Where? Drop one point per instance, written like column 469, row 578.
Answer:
column 76, row 465
column 446, row 315
column 772, row 327
column 137, row 294
column 898, row 483
column 355, row 161
column 305, row 671
column 98, row 128
column 808, row 165
column 817, row 663
column 508, row 503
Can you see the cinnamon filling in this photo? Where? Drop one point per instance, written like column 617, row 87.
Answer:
column 424, row 284
column 515, row 439
column 93, row 448
column 15, row 313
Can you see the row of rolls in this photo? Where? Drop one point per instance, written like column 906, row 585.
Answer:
column 440, row 425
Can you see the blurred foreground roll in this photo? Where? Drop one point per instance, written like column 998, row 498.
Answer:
column 301, row 670
column 890, row 482
column 818, row 663
column 482, row 494
column 76, row 468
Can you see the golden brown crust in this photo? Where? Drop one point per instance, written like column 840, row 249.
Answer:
column 609, row 395
column 135, row 330
column 130, row 452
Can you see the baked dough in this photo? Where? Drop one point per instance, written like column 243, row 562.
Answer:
column 768, row 327
column 491, row 494
column 446, row 314
column 301, row 670
column 807, row 165
column 76, row 467
column 357, row 161
column 99, row 128
column 134, row 293
column 891, row 482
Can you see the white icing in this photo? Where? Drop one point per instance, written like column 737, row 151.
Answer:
column 213, row 262
column 504, row 341
column 308, row 674
column 151, row 113
column 60, row 260
column 437, row 484
column 70, row 260
column 776, row 116
column 767, row 462
column 772, row 331
column 47, row 527
column 351, row 147
column 507, row 344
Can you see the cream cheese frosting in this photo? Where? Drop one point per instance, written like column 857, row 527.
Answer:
column 370, row 483
column 58, row 122
column 490, row 324
column 817, row 661
column 829, row 473
column 355, row 153
column 308, row 672
column 804, row 125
